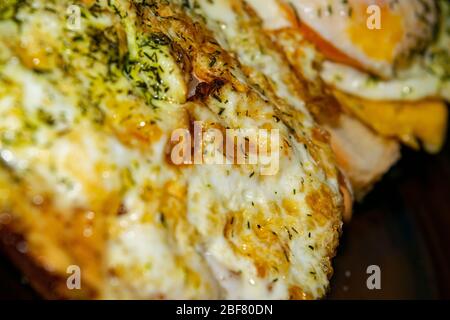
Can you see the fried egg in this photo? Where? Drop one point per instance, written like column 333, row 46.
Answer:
column 414, row 85
column 422, row 76
column 404, row 56
column 375, row 34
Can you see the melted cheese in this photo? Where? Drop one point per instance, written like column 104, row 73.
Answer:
column 84, row 151
column 425, row 121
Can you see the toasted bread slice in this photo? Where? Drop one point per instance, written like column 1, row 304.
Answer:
column 362, row 155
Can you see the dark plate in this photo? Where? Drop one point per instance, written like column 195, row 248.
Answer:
column 403, row 227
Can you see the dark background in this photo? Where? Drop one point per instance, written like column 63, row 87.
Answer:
column 403, row 226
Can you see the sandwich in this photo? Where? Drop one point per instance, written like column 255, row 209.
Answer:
column 385, row 63
column 94, row 201
column 198, row 149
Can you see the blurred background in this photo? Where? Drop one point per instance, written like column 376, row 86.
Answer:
column 403, row 226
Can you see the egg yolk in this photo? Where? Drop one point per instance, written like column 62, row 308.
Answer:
column 375, row 43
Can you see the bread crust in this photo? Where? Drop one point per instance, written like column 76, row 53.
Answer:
column 47, row 285
column 361, row 154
